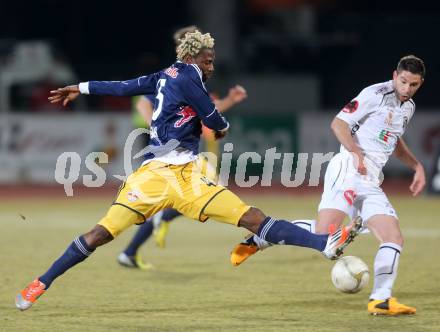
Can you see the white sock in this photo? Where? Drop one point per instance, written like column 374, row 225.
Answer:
column 308, row 225
column 385, row 270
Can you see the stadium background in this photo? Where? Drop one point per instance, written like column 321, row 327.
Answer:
column 300, row 61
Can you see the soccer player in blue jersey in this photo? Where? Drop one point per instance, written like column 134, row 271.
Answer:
column 169, row 176
column 158, row 225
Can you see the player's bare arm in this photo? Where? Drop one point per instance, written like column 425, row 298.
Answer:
column 404, row 154
column 343, row 134
column 64, row 95
column 145, row 109
column 235, row 95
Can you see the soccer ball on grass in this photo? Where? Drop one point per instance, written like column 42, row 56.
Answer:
column 350, row 274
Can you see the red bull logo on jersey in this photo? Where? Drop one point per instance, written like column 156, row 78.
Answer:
column 187, row 113
column 172, row 71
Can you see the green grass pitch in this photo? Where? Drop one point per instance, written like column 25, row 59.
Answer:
column 194, row 287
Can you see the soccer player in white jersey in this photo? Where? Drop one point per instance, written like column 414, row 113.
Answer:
column 370, row 130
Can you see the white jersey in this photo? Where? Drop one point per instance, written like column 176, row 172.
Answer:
column 377, row 120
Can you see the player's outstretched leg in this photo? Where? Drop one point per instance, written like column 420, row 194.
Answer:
column 130, row 256
column 252, row 243
column 335, row 241
column 81, row 248
column 161, row 227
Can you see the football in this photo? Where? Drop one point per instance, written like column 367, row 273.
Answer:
column 350, row 274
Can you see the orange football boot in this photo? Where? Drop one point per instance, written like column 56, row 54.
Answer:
column 389, row 307
column 27, row 297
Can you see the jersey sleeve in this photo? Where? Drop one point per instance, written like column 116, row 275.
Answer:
column 407, row 118
column 413, row 109
column 198, row 98
column 144, row 85
column 359, row 108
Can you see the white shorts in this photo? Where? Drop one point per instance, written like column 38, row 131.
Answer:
column 348, row 191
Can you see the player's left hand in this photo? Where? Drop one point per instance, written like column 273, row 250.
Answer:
column 64, row 95
column 419, row 181
column 237, row 94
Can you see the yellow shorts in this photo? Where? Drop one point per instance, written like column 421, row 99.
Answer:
column 207, row 163
column 157, row 186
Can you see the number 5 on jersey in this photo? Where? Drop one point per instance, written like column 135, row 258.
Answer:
column 159, row 97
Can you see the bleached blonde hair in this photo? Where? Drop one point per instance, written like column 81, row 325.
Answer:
column 179, row 34
column 192, row 43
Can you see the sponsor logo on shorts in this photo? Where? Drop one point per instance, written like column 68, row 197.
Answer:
column 132, row 196
column 350, row 196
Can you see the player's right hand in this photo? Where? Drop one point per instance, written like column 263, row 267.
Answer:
column 64, row 95
column 419, row 180
column 358, row 160
column 237, row 94
column 361, row 168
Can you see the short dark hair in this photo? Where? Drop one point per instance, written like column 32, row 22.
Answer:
column 412, row 64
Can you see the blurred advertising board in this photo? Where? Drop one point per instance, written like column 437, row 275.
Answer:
column 30, row 144
column 263, row 144
column 260, row 143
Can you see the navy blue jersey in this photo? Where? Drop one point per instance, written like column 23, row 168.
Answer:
column 181, row 104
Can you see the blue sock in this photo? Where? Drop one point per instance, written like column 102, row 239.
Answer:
column 170, row 214
column 142, row 235
column 75, row 253
column 284, row 232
